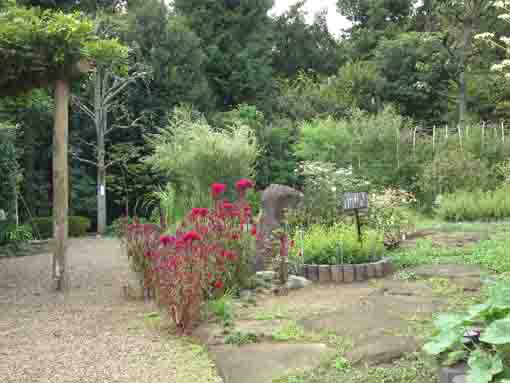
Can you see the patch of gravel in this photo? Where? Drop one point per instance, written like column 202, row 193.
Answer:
column 90, row 334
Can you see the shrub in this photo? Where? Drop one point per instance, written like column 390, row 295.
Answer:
column 324, row 184
column 194, row 155
column 453, row 170
column 43, row 226
column 15, row 235
column 475, row 205
column 337, row 244
column 389, row 212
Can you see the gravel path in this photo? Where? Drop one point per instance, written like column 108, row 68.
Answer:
column 91, row 333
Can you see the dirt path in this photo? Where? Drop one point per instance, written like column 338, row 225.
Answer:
column 91, row 333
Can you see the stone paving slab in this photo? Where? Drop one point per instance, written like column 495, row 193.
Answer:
column 447, row 271
column 265, row 362
column 382, row 349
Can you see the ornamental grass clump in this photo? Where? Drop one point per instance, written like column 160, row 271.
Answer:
column 208, row 254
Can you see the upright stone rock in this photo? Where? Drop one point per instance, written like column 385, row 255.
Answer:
column 275, row 199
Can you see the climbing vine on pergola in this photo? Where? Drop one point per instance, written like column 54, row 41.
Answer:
column 43, row 48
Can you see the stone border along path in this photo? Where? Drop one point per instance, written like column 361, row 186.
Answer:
column 374, row 320
column 90, row 334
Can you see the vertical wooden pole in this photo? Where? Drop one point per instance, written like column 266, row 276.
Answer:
column 503, row 132
column 483, row 137
column 434, row 139
column 60, row 183
column 358, row 225
column 414, row 140
column 459, row 130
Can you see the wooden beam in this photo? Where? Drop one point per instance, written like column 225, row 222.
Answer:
column 60, row 183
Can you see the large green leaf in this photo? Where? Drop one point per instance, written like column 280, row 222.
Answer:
column 497, row 333
column 476, row 310
column 499, row 295
column 442, row 342
column 445, row 322
column 483, row 367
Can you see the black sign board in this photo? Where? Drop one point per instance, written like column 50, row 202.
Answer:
column 355, row 201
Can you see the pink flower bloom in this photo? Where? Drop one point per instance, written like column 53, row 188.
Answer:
column 218, row 189
column 167, row 240
column 243, row 185
column 191, row 236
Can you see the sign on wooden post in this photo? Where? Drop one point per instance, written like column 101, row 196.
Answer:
column 356, row 202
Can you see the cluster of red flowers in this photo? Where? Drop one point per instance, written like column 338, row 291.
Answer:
column 204, row 256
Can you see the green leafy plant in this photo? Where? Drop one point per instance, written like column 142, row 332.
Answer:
column 15, row 235
column 239, row 338
column 335, row 245
column 289, row 332
column 480, row 337
column 223, row 308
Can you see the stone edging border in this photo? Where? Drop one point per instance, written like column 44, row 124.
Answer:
column 346, row 273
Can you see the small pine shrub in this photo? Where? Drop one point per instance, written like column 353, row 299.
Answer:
column 43, row 226
column 476, row 205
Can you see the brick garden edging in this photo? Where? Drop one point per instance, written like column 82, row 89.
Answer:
column 346, row 273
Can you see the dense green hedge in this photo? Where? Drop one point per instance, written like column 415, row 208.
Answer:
column 474, row 206
column 43, row 226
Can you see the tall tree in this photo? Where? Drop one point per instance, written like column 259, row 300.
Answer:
column 301, row 46
column 108, row 88
column 164, row 42
column 461, row 21
column 236, row 38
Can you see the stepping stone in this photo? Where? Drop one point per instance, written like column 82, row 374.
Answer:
column 374, row 315
column 356, row 322
column 382, row 349
column 263, row 363
column 447, row 271
column 405, row 288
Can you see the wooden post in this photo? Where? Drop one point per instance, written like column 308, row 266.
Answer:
column 503, row 132
column 483, row 137
column 358, row 225
column 60, row 183
column 459, row 130
column 414, row 140
column 434, row 139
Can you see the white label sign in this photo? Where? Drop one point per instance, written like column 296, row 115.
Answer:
column 101, row 189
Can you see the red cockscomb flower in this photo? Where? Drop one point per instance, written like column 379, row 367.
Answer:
column 217, row 189
column 228, row 205
column 253, row 230
column 218, row 284
column 199, row 212
column 243, row 185
column 166, row 240
column 191, row 236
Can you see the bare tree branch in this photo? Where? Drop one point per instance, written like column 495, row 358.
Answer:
column 119, row 85
column 83, row 107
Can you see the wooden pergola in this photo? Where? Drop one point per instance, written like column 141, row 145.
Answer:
column 41, row 77
column 41, row 49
